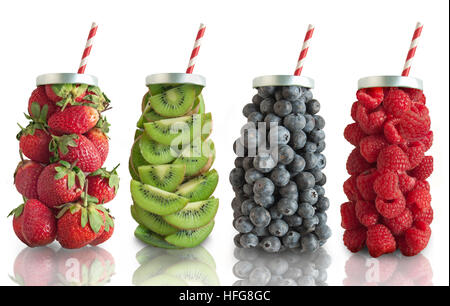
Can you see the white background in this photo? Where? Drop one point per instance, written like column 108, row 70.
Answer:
column 244, row 39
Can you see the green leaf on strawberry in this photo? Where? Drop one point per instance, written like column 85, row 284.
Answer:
column 17, row 212
column 95, row 219
column 112, row 176
column 72, row 173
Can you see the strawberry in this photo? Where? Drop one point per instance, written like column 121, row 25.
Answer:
column 34, row 142
column 39, row 224
column 103, row 185
column 98, row 137
column 96, row 98
column 107, row 233
column 74, row 120
column 77, row 148
column 60, row 183
column 17, row 214
column 26, row 177
column 65, row 94
column 39, row 105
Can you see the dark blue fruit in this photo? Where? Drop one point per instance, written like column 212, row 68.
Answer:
column 287, row 207
column 237, row 177
column 271, row 244
column 260, row 217
column 299, row 106
column 294, row 122
column 296, row 166
column 263, row 186
column 266, row 105
column 243, row 225
column 251, row 175
column 305, row 180
column 291, row 240
column 280, row 177
column 306, row 210
column 291, row 93
column 264, row 162
column 282, row 108
column 247, row 206
column 249, row 108
column 309, row 196
column 278, row 228
column 266, row 91
column 279, row 135
column 255, row 117
column 285, row 154
column 313, row 106
column 310, row 123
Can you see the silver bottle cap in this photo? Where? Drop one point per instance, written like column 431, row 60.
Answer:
column 175, row 78
column 66, row 78
column 283, row 80
column 390, row 81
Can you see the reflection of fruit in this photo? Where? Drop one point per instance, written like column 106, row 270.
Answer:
column 194, row 273
column 35, row 267
column 26, row 177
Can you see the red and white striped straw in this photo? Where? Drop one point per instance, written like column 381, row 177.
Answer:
column 87, row 49
column 304, row 52
column 412, row 49
column 197, row 44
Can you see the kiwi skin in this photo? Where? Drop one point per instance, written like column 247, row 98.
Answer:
column 148, row 237
column 190, row 238
column 151, row 221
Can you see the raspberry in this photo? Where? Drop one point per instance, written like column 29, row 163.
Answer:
column 391, row 132
column 349, row 220
column 371, row 98
column 427, row 140
column 420, row 198
column 417, row 237
column 386, row 186
column 356, row 164
column 424, row 169
column 416, row 95
column 406, row 182
column 423, row 184
column 416, row 153
column 415, row 123
column 401, row 223
column 380, row 241
column 371, row 146
column 351, row 189
column 393, row 158
column 370, row 123
column 354, row 110
column 366, row 213
column 397, row 102
column 390, row 208
column 354, row 134
column 364, row 183
column 425, row 215
column 355, row 239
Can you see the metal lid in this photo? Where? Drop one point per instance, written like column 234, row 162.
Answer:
column 390, row 81
column 66, row 78
column 175, row 78
column 283, row 80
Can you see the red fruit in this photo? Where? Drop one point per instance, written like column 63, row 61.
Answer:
column 65, row 94
column 356, row 163
column 26, row 177
column 103, row 185
column 104, row 236
column 419, row 198
column 371, row 98
column 60, row 183
column 423, row 184
column 418, row 236
column 386, row 186
column 348, row 214
column 354, row 110
column 390, row 208
column 416, row 153
column 426, row 215
column 371, row 123
column 427, row 140
column 39, row 224
column 35, row 267
column 366, row 213
column 354, row 134
column 371, row 146
column 77, row 148
column 424, row 169
column 40, row 99
column 401, row 223
column 380, row 240
column 393, row 158
column 17, row 214
column 416, row 95
column 351, row 189
column 406, row 182
column 364, row 182
column 391, row 132
column 355, row 239
column 74, row 120
column 100, row 141
column 397, row 102
column 415, row 123
column 34, row 143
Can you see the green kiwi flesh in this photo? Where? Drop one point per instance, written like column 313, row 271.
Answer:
column 174, row 102
column 190, row 238
column 194, row 214
column 155, row 153
column 151, row 221
column 197, row 158
column 199, row 188
column 136, row 158
column 166, row 177
column 151, row 238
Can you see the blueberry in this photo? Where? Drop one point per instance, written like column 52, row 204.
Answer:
column 271, row 244
column 248, row 189
column 260, row 217
column 296, row 166
column 294, row 122
column 247, row 206
column 322, row 217
column 238, row 162
column 249, row 138
column 287, row 207
column 285, row 154
column 249, row 240
column 243, row 225
column 278, row 95
column 282, row 108
column 293, row 221
column 298, row 140
column 236, row 204
column 266, row 105
column 320, row 122
column 263, row 186
column 322, row 204
column 247, row 163
column 321, row 161
column 249, row 108
column 323, row 181
column 321, row 147
column 266, row 91
column 310, row 123
column 239, row 149
column 323, row 232
column 279, row 135
column 272, row 118
column 255, row 117
column 317, row 135
column 310, row 160
column 243, row 268
column 308, row 94
column 313, row 106
column 305, row 180
column 310, row 147
column 289, row 191
column 257, row 100
column 317, row 174
column 237, row 177
column 309, row 196
column 309, row 243
column 293, row 273
column 278, row 228
column 260, row 276
column 261, row 231
column 320, row 190
column 299, row 106
column 322, row 277
column 264, row 162
column 251, row 175
column 291, row 93
column 305, row 210
column 310, row 223
column 237, row 240
column 265, row 201
column 274, row 213
column 291, row 239
column 237, row 214
column 280, row 177
column 306, row 281
column 278, row 266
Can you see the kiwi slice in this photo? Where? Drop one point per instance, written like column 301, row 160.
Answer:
column 195, row 273
column 164, row 280
column 151, row 221
column 155, row 200
column 174, row 102
column 149, row 115
column 151, row 238
column 148, row 253
column 199, row 188
column 145, row 100
column 198, row 253
column 190, row 238
column 201, row 109
column 136, row 158
column 153, row 268
column 166, row 177
column 194, row 215
column 197, row 158
column 155, row 153
column 156, row 89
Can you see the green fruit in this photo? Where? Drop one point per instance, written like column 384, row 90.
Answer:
column 164, row 280
column 197, row 158
column 190, row 238
column 148, row 237
column 149, row 115
column 155, row 200
column 156, row 89
column 151, row 221
column 199, row 188
column 198, row 253
column 165, row 177
column 136, row 158
column 147, row 254
column 201, row 109
column 174, row 102
column 194, row 215
column 155, row 153
column 145, row 100
column 194, row 273
column 153, row 268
